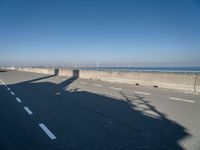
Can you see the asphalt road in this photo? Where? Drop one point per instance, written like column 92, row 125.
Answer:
column 46, row 112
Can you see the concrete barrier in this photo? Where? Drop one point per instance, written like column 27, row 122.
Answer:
column 48, row 71
column 8, row 68
column 197, row 84
column 65, row 72
column 188, row 82
column 165, row 80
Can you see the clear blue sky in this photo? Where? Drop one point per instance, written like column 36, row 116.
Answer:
column 138, row 33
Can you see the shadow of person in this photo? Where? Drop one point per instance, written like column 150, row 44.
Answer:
column 90, row 121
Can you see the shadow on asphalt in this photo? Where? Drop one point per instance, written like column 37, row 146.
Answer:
column 90, row 121
column 37, row 79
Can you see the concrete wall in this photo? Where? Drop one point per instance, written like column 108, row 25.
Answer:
column 197, row 88
column 165, row 80
column 50, row 71
column 37, row 70
column 65, row 72
column 186, row 82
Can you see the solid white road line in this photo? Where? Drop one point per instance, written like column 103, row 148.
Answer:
column 179, row 99
column 28, row 110
column 12, row 93
column 8, row 89
column 115, row 88
column 142, row 93
column 47, row 131
column 19, row 100
column 97, row 85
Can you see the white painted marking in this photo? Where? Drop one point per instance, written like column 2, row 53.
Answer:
column 97, row 85
column 3, row 83
column 115, row 88
column 142, row 93
column 83, row 82
column 189, row 92
column 47, row 131
column 28, row 110
column 12, row 93
column 19, row 100
column 8, row 89
column 179, row 99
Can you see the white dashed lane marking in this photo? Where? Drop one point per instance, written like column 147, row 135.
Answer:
column 43, row 127
column 47, row 131
column 142, row 93
column 179, row 99
column 83, row 82
column 18, row 100
column 115, row 88
column 28, row 110
column 1, row 82
column 12, row 93
column 97, row 85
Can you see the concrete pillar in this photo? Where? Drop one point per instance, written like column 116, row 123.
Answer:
column 76, row 73
column 195, row 82
column 56, row 72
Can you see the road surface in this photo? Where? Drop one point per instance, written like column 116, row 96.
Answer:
column 39, row 112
